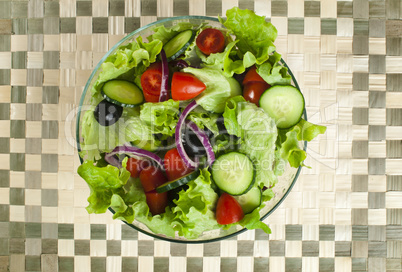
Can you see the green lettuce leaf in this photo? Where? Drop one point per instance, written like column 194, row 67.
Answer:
column 161, row 117
column 224, row 61
column 218, row 88
column 308, row 131
column 98, row 139
column 128, row 61
column 252, row 221
column 203, row 118
column 258, row 134
column 288, row 141
column 273, row 72
column 253, row 33
column 103, row 183
column 164, row 34
column 195, row 207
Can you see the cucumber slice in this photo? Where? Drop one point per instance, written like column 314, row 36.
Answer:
column 178, row 44
column 283, row 103
column 250, row 200
column 177, row 182
column 233, row 173
column 122, row 93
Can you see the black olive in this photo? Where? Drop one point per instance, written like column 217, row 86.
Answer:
column 192, row 145
column 107, row 113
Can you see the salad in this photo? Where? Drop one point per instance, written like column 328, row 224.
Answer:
column 189, row 129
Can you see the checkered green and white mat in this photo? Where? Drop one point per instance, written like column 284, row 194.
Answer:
column 344, row 214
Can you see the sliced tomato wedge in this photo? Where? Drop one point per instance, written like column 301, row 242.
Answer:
column 228, row 210
column 174, row 165
column 252, row 75
column 186, row 86
column 135, row 166
column 151, row 81
column 210, row 41
column 252, row 91
column 157, row 202
column 151, row 177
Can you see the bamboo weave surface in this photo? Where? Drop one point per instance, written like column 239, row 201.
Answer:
column 344, row 214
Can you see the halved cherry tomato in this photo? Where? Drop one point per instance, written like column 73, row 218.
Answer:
column 151, row 177
column 186, row 86
column 151, row 81
column 135, row 166
column 252, row 91
column 174, row 165
column 210, row 41
column 157, row 202
column 228, row 210
column 252, row 75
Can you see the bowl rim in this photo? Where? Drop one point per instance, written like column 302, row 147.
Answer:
column 156, row 236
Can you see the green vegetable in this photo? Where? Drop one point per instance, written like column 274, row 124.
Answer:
column 288, row 141
column 253, row 33
column 98, row 139
column 132, row 58
column 164, row 34
column 203, row 118
column 195, row 207
column 273, row 72
column 161, row 117
column 218, row 88
column 258, row 134
column 104, row 183
column 223, row 61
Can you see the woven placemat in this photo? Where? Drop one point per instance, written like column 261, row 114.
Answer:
column 344, row 214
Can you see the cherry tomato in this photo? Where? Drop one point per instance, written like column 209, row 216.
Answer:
column 135, row 166
column 252, row 91
column 210, row 41
column 186, row 86
column 174, row 165
column 157, row 202
column 252, row 75
column 151, row 177
column 228, row 210
column 151, row 81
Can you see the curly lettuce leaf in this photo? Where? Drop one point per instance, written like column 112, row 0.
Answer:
column 195, row 207
column 289, row 141
column 224, row 61
column 258, row 135
column 103, row 183
column 273, row 72
column 128, row 61
column 98, row 139
column 308, row 131
column 164, row 34
column 253, row 33
column 218, row 88
column 161, row 117
column 204, row 119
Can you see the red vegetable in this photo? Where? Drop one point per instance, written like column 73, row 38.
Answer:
column 252, row 75
column 185, row 86
column 163, row 96
column 138, row 152
column 228, row 210
column 210, row 41
column 174, row 165
column 157, row 202
column 177, row 135
column 151, row 177
column 252, row 91
column 135, row 166
column 151, row 82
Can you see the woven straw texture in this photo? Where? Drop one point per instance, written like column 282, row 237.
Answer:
column 344, row 214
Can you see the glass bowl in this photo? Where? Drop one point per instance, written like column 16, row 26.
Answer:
column 281, row 189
